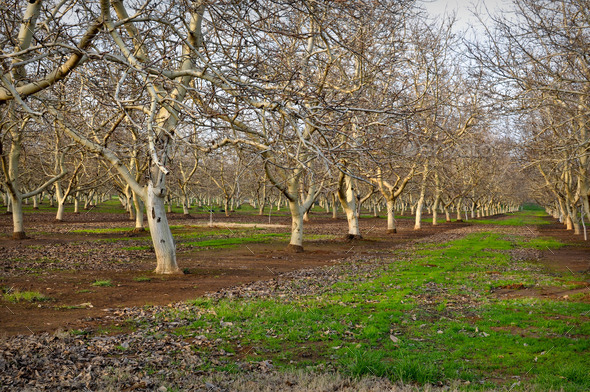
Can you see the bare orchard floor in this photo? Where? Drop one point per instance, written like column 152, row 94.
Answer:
column 86, row 268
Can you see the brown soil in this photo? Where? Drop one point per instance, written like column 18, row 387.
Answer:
column 75, row 303
column 570, row 261
column 572, row 258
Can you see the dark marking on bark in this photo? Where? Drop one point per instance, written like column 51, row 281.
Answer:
column 159, row 219
column 162, row 241
column 153, row 213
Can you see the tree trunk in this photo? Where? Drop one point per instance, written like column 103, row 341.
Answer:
column 76, row 203
column 420, row 203
column 447, row 214
column 138, row 205
column 459, row 217
column 35, row 203
column 262, row 202
column 17, row 217
column 161, row 235
column 347, row 198
column 334, row 207
column 60, row 210
column 296, row 243
column 185, row 205
column 390, row 217
column 306, row 216
column 226, row 206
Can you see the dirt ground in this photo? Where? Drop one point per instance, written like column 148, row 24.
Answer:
column 76, row 304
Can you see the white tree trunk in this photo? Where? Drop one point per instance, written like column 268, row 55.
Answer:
column 296, row 243
column 353, row 223
column 60, row 210
column 17, row 217
column 418, row 221
column 347, row 198
column 390, row 217
column 138, row 205
column 160, row 231
column 185, row 205
column 77, row 203
column 420, row 203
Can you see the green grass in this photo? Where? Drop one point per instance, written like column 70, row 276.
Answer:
column 27, row 296
column 142, row 279
column 521, row 218
column 437, row 304
column 228, row 242
column 102, row 283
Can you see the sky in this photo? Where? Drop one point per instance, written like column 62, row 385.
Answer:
column 464, row 9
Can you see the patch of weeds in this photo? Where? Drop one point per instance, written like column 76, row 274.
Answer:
column 234, row 241
column 78, row 332
column 27, row 296
column 83, row 291
column 142, row 279
column 102, row 283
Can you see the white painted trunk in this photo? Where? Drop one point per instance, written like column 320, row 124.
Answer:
column 35, row 203
column 161, row 235
column 60, row 210
column 418, row 221
column 138, row 205
column 348, row 201
column 17, row 217
column 420, row 203
column 390, row 217
column 353, row 222
column 296, row 225
column 185, row 205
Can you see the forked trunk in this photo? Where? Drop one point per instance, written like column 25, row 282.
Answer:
column 161, row 235
column 348, row 200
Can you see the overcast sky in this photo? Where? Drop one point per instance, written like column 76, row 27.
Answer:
column 463, row 9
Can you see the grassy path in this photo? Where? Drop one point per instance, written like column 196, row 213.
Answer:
column 425, row 315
